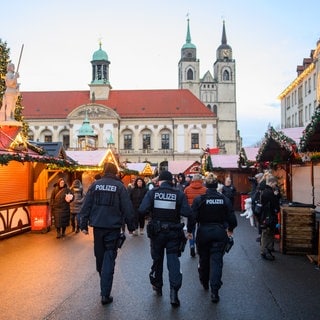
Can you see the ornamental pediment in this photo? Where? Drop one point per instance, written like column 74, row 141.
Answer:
column 93, row 111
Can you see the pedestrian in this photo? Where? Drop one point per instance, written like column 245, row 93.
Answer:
column 269, row 217
column 137, row 193
column 182, row 183
column 166, row 205
column 195, row 189
column 76, row 204
column 216, row 220
column 60, row 199
column 229, row 189
column 106, row 207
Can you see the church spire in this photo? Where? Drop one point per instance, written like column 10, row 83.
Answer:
column 224, row 36
column 188, row 38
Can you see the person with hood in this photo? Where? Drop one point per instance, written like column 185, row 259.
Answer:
column 106, row 208
column 166, row 205
column 76, row 204
column 216, row 220
column 196, row 188
column 182, row 183
column 60, row 199
column 137, row 193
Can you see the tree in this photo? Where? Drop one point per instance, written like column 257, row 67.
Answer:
column 4, row 60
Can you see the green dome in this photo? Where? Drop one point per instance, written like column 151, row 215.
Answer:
column 100, row 55
column 86, row 129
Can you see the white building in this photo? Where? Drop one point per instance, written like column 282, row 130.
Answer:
column 302, row 96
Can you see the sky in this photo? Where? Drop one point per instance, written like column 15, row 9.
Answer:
column 143, row 40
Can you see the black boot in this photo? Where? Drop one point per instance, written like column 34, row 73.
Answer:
column 174, row 300
column 58, row 233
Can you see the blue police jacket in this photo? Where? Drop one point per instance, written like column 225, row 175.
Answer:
column 107, row 205
column 167, row 204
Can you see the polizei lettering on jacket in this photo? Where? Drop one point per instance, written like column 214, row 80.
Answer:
column 214, row 201
column 106, row 187
column 165, row 200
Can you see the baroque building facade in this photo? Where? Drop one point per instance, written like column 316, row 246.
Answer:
column 142, row 125
column 301, row 97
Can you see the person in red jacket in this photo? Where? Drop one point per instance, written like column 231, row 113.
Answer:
column 195, row 188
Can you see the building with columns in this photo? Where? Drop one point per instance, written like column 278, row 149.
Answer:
column 142, row 125
column 301, row 97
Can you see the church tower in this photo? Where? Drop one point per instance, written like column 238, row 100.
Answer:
column 189, row 66
column 217, row 91
column 224, row 70
column 100, row 85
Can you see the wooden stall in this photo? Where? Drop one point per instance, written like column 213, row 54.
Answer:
column 298, row 232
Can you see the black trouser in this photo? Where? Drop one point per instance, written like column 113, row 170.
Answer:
column 169, row 241
column 105, row 251
column 211, row 240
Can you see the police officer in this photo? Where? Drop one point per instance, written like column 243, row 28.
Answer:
column 106, row 207
column 165, row 231
column 216, row 220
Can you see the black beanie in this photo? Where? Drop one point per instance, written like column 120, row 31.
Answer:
column 110, row 167
column 165, row 176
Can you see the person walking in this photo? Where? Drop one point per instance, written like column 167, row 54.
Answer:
column 229, row 189
column 269, row 217
column 166, row 204
column 195, row 189
column 76, row 204
column 216, row 221
column 106, row 207
column 137, row 193
column 60, row 199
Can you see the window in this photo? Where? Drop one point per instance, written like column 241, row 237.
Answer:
column 194, row 140
column 65, row 141
column 165, row 144
column 226, row 75
column 190, row 74
column 47, row 138
column 127, row 141
column 146, row 141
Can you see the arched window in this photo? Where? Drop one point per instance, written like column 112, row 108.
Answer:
column 190, row 74
column 146, row 140
column 215, row 109
column 46, row 136
column 165, row 136
column 127, row 140
column 209, row 107
column 64, row 136
column 226, row 75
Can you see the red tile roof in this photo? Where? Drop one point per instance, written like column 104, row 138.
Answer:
column 127, row 103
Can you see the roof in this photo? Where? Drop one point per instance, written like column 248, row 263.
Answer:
column 224, row 161
column 180, row 166
column 251, row 153
column 141, row 167
column 53, row 149
column 175, row 103
column 89, row 158
column 294, row 133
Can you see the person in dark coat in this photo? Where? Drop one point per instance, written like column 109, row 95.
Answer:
column 106, row 208
column 76, row 204
column 166, row 205
column 269, row 217
column 216, row 220
column 229, row 190
column 60, row 199
column 137, row 193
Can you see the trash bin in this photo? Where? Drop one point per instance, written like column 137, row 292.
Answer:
column 243, row 197
column 40, row 216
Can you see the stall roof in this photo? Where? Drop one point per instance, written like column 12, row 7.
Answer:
column 276, row 146
column 144, row 168
column 294, row 133
column 310, row 140
column 225, row 161
column 182, row 166
column 92, row 157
